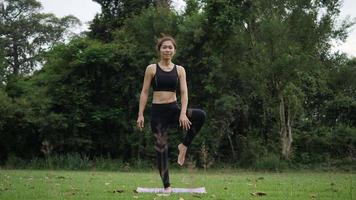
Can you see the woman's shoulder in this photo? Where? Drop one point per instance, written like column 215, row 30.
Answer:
column 151, row 69
column 180, row 70
column 180, row 67
column 150, row 66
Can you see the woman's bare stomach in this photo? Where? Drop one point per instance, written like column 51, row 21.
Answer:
column 162, row 97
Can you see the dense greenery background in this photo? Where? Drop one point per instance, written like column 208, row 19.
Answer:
column 262, row 70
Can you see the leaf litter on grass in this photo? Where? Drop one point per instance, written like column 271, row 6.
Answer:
column 118, row 191
column 258, row 193
column 253, row 183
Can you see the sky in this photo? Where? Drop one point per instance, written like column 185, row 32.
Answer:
column 85, row 10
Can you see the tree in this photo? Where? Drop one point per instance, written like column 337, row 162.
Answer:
column 115, row 12
column 341, row 109
column 269, row 48
column 292, row 43
column 6, row 109
column 26, row 34
column 2, row 66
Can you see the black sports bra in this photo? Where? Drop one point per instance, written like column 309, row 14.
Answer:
column 165, row 81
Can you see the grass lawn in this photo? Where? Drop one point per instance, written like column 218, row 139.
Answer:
column 47, row 185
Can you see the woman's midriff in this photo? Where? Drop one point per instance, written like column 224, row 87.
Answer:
column 161, row 97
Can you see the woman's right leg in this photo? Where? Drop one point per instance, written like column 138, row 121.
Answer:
column 161, row 147
column 159, row 128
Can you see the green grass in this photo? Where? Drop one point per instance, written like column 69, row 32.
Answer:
column 41, row 184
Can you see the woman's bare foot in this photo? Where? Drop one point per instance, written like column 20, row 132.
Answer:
column 182, row 151
column 167, row 190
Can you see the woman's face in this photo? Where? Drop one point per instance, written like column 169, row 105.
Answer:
column 167, row 50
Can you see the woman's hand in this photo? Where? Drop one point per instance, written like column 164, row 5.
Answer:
column 140, row 122
column 184, row 122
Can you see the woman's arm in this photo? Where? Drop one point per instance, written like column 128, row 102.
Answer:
column 183, row 119
column 144, row 95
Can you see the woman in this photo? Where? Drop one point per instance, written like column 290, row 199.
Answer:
column 165, row 113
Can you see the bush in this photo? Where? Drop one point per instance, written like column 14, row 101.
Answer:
column 76, row 161
column 270, row 162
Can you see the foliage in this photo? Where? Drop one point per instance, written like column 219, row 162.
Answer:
column 274, row 92
column 25, row 34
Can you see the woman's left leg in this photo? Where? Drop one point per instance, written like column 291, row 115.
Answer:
column 197, row 118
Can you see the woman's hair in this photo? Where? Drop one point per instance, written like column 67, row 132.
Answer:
column 163, row 39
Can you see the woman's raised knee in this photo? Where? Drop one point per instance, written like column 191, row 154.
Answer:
column 200, row 115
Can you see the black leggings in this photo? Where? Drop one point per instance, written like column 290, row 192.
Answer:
column 164, row 116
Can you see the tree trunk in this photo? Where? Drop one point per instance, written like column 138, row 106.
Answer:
column 231, row 145
column 16, row 64
column 285, row 129
column 289, row 135
column 163, row 3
